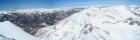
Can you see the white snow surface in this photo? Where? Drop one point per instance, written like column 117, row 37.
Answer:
column 9, row 30
column 4, row 38
column 95, row 23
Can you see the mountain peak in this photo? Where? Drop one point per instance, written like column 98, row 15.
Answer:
column 96, row 23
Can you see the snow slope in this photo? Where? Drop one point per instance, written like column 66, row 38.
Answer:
column 4, row 38
column 9, row 30
column 118, row 22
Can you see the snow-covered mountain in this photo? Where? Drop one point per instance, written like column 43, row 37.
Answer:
column 32, row 19
column 118, row 22
column 97, row 23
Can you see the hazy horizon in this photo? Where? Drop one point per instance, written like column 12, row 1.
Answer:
column 25, row 4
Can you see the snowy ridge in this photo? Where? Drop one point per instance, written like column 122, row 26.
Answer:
column 9, row 30
column 97, row 23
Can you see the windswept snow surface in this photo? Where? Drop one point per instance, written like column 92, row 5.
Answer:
column 9, row 30
column 4, row 38
column 96, row 23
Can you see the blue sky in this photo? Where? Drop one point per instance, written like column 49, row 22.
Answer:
column 23, row 4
